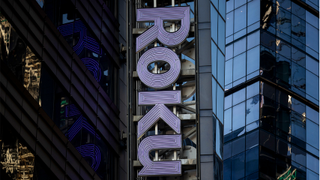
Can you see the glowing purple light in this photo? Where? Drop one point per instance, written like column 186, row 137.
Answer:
column 159, row 111
column 93, row 66
column 71, row 110
column 159, row 97
column 156, row 168
column 159, row 81
column 92, row 151
column 158, row 15
column 84, row 40
column 80, row 123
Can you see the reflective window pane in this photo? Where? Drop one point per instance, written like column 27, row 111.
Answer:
column 253, row 89
column 312, row 163
column 230, row 5
column 239, row 96
column 312, row 65
column 220, row 66
column 238, row 166
column 214, row 24
column 252, row 160
column 298, row 78
column 227, row 170
column 252, row 139
column 312, row 115
column 253, row 59
column 238, row 116
column 239, row 3
column 214, row 96
column 285, row 4
column 238, row 146
column 229, row 24
column 284, row 21
column 227, row 121
column 312, row 37
column 298, row 155
column 221, row 32
column 228, row 101
column 228, row 72
column 227, row 148
column 298, row 11
column 219, row 139
column 312, row 85
column 220, row 94
column 239, row 66
column 298, row 57
column 313, row 20
column 253, row 11
column 299, row 29
column 239, row 46
column 240, row 18
column 283, row 48
column 312, row 134
column 229, row 51
column 252, row 111
column 312, row 175
column 253, row 39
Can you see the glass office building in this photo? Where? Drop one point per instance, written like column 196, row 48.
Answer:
column 271, row 111
column 63, row 99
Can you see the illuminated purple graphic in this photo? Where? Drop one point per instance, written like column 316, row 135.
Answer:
column 92, row 151
column 156, row 168
column 158, row 15
column 159, row 111
column 84, row 40
column 71, row 110
column 93, row 66
column 80, row 123
column 159, row 81
column 159, row 97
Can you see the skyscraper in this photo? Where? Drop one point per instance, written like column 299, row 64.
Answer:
column 271, row 112
column 63, row 96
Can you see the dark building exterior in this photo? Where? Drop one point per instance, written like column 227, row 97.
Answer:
column 70, row 88
column 271, row 112
column 63, row 89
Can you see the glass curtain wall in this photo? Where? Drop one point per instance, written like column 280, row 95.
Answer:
column 218, row 32
column 272, row 95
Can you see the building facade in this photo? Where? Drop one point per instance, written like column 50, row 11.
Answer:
column 76, row 102
column 63, row 99
column 271, row 112
column 200, row 53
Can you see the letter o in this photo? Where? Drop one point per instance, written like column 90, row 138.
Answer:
column 159, row 81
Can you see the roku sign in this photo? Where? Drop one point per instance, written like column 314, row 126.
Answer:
column 160, row 81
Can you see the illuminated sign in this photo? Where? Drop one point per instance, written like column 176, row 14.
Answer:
column 160, row 81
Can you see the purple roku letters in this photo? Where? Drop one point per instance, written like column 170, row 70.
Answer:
column 160, row 81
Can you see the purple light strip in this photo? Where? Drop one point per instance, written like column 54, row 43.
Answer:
column 80, row 123
column 71, row 110
column 84, row 40
column 159, row 81
column 158, row 168
column 162, row 97
column 93, row 66
column 158, row 15
column 159, row 111
column 92, row 151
